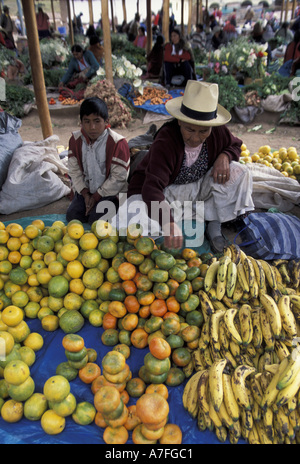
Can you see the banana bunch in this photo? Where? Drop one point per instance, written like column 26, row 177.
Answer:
column 259, row 407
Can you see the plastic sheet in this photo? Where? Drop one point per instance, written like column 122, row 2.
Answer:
column 53, row 353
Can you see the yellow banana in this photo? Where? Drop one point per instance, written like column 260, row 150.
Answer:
column 283, row 421
column 204, row 338
column 214, row 322
column 259, row 273
column 238, row 293
column 214, row 416
column 253, row 437
column 206, row 358
column 271, row 392
column 246, row 324
column 269, row 273
column 256, row 389
column 235, row 432
column 226, row 419
column 268, row 423
column 257, row 336
column 226, row 354
column 222, row 269
column 266, row 330
column 230, row 325
column 242, row 277
column 219, row 306
column 210, row 276
column 256, row 411
column 202, row 390
column 291, row 371
column 189, row 368
column 295, row 300
column 198, row 366
column 224, row 341
column 228, row 302
column 281, row 350
column 212, row 294
column 235, row 253
column 263, row 437
column 249, row 271
column 201, row 422
column 220, row 289
column 192, row 397
column 284, row 273
column 221, row 433
column 216, row 384
column 238, row 380
column 231, row 279
column 187, row 389
column 287, row 317
column 206, row 304
column 229, row 399
column 274, row 315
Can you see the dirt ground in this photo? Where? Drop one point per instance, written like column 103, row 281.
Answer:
column 66, row 120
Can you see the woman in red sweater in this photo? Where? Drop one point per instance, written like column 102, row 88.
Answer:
column 192, row 158
column 178, row 60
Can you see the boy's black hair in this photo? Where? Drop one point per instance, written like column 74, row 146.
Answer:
column 94, row 105
column 76, row 48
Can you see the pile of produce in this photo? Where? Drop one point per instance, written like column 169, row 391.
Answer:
column 248, row 360
column 285, row 160
column 119, row 112
column 226, row 325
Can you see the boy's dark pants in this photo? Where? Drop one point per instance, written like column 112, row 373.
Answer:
column 77, row 209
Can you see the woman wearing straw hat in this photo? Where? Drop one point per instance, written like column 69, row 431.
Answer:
column 193, row 158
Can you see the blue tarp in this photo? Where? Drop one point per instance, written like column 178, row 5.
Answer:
column 52, row 354
column 127, row 92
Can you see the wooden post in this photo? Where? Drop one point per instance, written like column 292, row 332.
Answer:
column 293, row 8
column 112, row 16
column 107, row 41
column 124, row 11
column 37, row 68
column 53, row 15
column 281, row 13
column 91, row 13
column 149, row 27
column 182, row 17
column 189, row 30
column 71, row 30
column 166, row 19
column 286, row 10
column 201, row 12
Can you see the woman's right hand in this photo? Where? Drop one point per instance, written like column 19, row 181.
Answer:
column 173, row 237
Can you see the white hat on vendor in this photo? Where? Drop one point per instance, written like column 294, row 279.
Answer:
column 199, row 105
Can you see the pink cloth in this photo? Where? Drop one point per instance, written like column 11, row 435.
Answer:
column 191, row 154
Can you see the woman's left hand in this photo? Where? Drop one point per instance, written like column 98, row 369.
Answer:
column 221, row 171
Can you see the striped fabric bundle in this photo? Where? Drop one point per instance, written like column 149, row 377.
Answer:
column 271, row 236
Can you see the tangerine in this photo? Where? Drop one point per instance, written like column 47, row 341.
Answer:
column 89, row 372
column 52, row 423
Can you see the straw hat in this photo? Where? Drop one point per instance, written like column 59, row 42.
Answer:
column 199, row 105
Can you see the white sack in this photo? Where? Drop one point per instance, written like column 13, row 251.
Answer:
column 271, row 189
column 33, row 177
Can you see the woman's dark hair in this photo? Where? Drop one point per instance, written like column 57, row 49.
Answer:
column 76, row 48
column 181, row 42
column 94, row 105
column 94, row 39
column 141, row 28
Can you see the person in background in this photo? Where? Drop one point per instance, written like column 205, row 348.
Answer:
column 7, row 24
column 199, row 37
column 155, row 58
column 230, row 26
column 99, row 162
column 79, row 26
column 193, row 157
column 285, row 33
column 178, row 59
column 219, row 38
column 43, row 24
column 82, row 67
column 249, row 15
column 133, row 28
column 96, row 48
column 257, row 36
column 212, row 22
column 141, row 39
column 293, row 49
